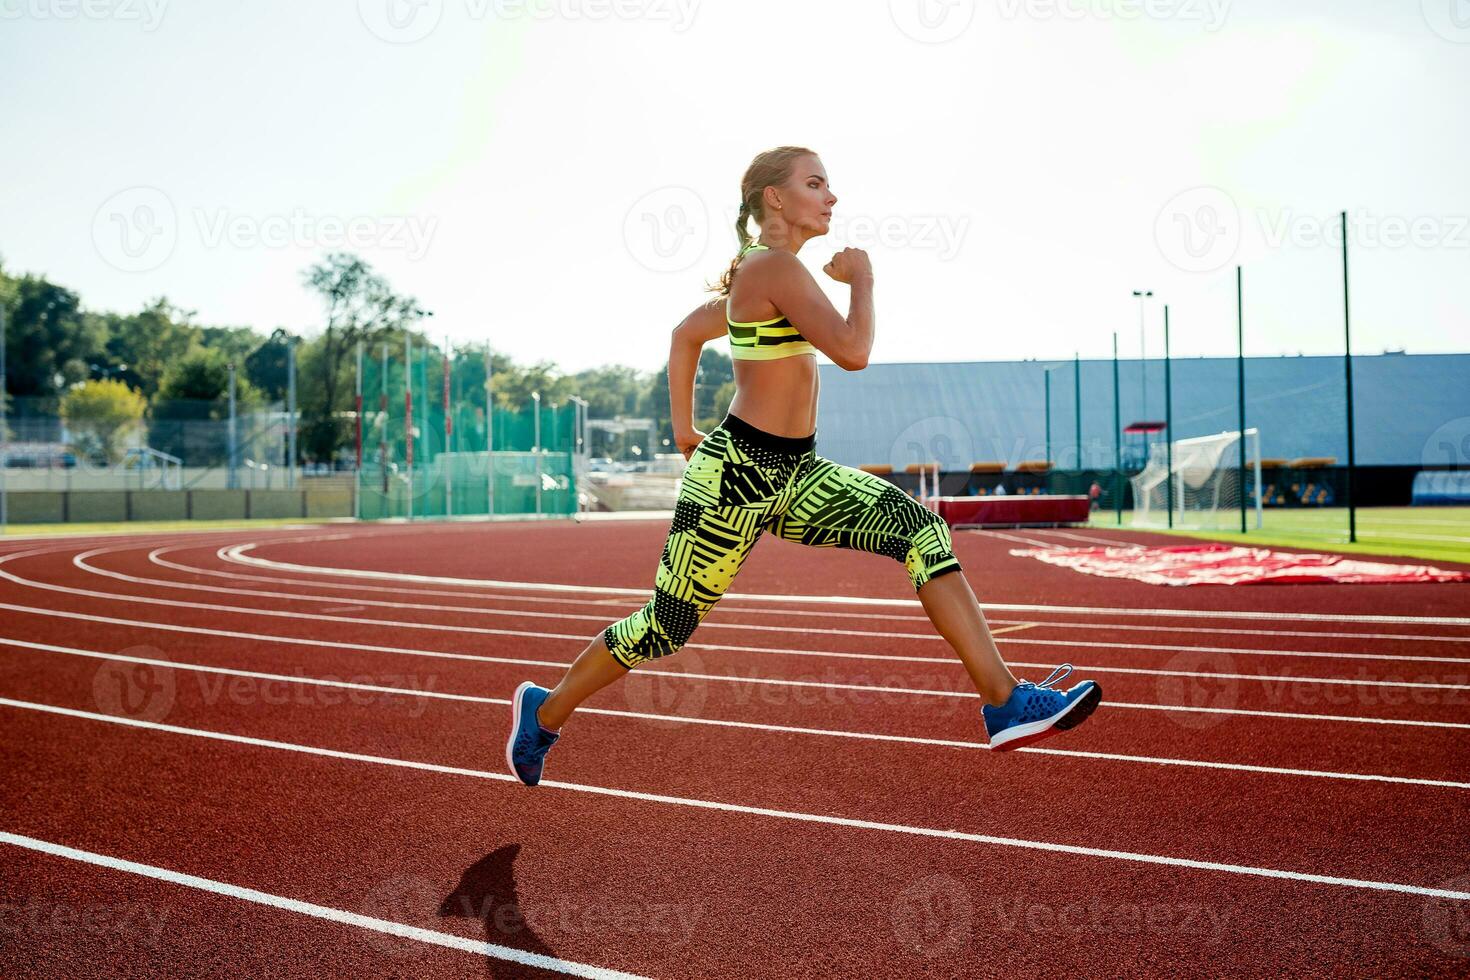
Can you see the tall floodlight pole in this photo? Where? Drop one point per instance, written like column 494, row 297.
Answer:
column 448, row 437
column 1077, row 392
column 1117, row 437
column 579, row 442
column 357, row 410
column 408, row 415
column 1240, row 385
column 291, row 413
column 1046, row 375
column 489, row 436
column 357, row 474
column 1168, row 423
column 383, row 432
column 232, row 444
column 1347, row 360
column 536, row 447
column 1143, row 295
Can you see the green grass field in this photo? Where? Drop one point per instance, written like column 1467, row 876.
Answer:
column 1430, row 533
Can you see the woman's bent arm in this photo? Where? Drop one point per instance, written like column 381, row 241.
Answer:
column 698, row 328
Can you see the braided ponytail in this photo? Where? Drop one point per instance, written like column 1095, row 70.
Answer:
column 771, row 167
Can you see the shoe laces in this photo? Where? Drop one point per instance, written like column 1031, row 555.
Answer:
column 1057, row 674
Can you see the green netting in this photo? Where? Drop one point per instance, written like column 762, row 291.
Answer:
column 452, row 466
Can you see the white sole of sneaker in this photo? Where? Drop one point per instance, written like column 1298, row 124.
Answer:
column 515, row 723
column 1034, row 731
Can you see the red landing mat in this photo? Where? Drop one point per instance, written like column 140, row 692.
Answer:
column 1223, row 564
column 1012, row 510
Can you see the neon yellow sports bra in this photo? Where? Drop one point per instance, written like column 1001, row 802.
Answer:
column 764, row 340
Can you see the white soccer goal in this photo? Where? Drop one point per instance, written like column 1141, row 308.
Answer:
column 1207, row 482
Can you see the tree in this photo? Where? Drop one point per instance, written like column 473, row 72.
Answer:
column 513, row 386
column 610, row 390
column 266, row 365
column 360, row 306
column 49, row 340
column 191, row 411
column 236, row 343
column 102, row 416
column 142, row 346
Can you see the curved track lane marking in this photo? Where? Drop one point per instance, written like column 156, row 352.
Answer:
column 80, row 561
column 724, row 723
column 773, row 681
column 236, row 554
column 730, row 605
column 386, row 926
column 786, row 651
column 787, row 815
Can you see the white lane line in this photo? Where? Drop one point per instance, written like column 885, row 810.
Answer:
column 815, row 818
column 726, row 723
column 1034, row 542
column 1009, row 537
column 237, row 554
column 702, row 677
column 730, row 606
column 80, row 561
column 788, row 651
column 1090, row 538
column 328, row 913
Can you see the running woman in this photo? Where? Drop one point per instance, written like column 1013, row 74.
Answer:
column 758, row 471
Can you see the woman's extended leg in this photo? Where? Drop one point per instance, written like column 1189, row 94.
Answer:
column 842, row 507
column 956, row 614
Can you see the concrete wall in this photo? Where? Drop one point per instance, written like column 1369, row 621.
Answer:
column 114, row 506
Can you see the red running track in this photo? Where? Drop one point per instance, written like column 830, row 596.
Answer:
column 219, row 765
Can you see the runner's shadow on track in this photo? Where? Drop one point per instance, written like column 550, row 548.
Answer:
column 487, row 892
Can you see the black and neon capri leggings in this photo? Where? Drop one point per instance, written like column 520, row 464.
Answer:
column 742, row 481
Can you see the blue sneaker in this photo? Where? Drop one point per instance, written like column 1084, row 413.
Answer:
column 525, row 750
column 1035, row 711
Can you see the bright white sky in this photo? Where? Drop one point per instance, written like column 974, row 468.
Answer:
column 559, row 177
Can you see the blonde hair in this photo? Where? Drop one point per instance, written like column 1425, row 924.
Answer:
column 770, row 167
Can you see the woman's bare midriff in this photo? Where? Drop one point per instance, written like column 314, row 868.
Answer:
column 778, row 396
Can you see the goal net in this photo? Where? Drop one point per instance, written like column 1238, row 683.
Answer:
column 1207, row 483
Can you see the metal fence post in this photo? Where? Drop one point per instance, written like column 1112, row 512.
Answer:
column 536, row 447
column 291, row 414
column 233, row 447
